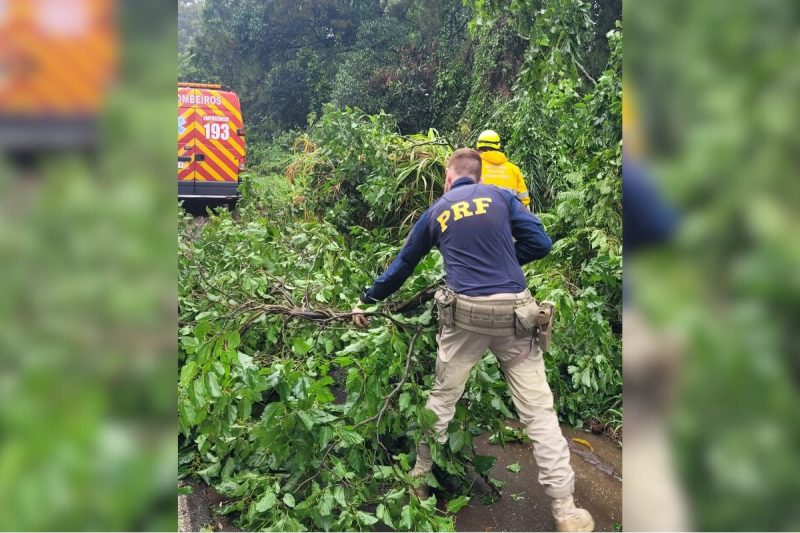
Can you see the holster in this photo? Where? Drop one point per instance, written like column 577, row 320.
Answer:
column 445, row 306
column 544, row 318
column 526, row 319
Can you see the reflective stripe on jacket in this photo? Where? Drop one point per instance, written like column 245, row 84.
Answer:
column 499, row 171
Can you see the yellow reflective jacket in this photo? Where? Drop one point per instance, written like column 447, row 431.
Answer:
column 498, row 170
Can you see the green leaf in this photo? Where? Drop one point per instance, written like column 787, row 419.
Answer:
column 431, row 481
column 483, row 463
column 426, row 418
column 404, row 401
column 424, row 318
column 218, row 368
column 306, row 418
column 344, row 361
column 457, row 440
column 305, row 504
column 382, row 472
column 339, row 495
column 288, row 500
column 270, row 411
column 231, row 340
column 436, row 455
column 405, row 518
column 202, row 330
column 497, row 483
column 209, row 472
column 351, row 348
column 187, row 373
column 213, row 385
column 383, row 514
column 366, row 518
column 226, row 488
column 429, row 504
column 321, row 417
column 301, row 346
column 456, row 504
column 498, row 404
column 199, row 392
column 350, row 438
column 325, row 503
column 187, row 412
column 325, row 436
column 514, row 468
column 586, row 378
column 266, row 502
column 245, row 361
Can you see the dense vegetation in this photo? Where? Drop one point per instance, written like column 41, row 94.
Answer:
column 717, row 109
column 302, row 420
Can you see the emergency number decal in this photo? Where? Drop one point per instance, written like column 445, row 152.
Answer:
column 217, row 131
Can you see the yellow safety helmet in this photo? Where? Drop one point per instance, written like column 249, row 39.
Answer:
column 488, row 139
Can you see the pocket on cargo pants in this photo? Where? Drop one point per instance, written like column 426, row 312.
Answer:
column 458, row 351
column 442, row 354
column 440, row 368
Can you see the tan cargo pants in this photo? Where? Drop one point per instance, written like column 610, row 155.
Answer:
column 460, row 350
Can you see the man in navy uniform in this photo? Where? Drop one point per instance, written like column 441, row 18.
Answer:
column 485, row 234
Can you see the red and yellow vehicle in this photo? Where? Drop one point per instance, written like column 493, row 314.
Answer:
column 211, row 147
column 58, row 58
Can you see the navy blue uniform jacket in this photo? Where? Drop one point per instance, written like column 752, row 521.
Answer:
column 484, row 234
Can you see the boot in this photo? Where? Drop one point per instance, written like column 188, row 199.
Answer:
column 421, row 467
column 571, row 518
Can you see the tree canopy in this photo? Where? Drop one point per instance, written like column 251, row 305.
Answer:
column 429, row 63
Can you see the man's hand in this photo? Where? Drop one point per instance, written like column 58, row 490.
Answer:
column 358, row 316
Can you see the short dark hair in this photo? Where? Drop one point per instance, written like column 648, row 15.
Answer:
column 466, row 162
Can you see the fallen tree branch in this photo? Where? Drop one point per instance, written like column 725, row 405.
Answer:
column 424, row 296
column 325, row 315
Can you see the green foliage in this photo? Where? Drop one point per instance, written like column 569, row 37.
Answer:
column 357, row 170
column 718, row 112
column 413, row 59
column 583, row 272
column 190, row 18
column 563, row 128
column 278, row 414
column 294, row 420
column 558, row 32
column 499, row 56
column 279, row 56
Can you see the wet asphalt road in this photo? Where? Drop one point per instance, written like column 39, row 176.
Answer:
column 597, row 487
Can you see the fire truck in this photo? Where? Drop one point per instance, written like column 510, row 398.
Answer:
column 58, row 59
column 211, row 146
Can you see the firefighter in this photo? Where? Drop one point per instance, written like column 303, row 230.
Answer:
column 498, row 170
column 484, row 235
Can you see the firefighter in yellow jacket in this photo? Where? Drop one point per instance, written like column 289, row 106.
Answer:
column 498, row 170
